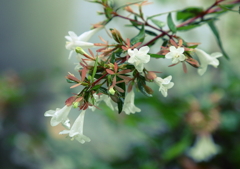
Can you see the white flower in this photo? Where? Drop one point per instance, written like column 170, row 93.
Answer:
column 76, row 131
column 206, row 59
column 176, row 54
column 164, row 84
column 204, row 148
column 79, row 41
column 59, row 116
column 128, row 106
column 139, row 57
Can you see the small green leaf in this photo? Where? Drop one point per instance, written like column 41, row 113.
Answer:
column 153, row 16
column 96, row 87
column 188, row 27
column 141, row 82
column 140, row 36
column 120, row 104
column 158, row 23
column 156, row 55
column 228, row 7
column 70, row 81
column 215, row 32
column 178, row 148
column 95, row 68
column 188, row 13
column 127, row 5
column 171, row 24
column 103, row 90
column 108, row 12
column 150, row 33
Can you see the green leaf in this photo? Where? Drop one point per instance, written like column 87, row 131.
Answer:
column 108, row 12
column 215, row 32
column 103, row 90
column 140, row 36
column 228, row 7
column 150, row 33
column 153, row 16
column 96, row 87
column 156, row 55
column 178, row 148
column 158, row 23
column 188, row 27
column 94, row 69
column 127, row 5
column 188, row 13
column 70, row 81
column 120, row 105
column 171, row 24
column 141, row 82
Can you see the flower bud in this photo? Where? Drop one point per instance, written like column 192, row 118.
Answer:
column 148, row 89
column 111, row 91
column 116, row 35
column 75, row 104
column 150, row 75
column 80, row 51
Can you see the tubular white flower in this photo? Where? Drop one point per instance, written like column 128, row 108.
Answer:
column 79, row 41
column 139, row 57
column 164, row 84
column 204, row 148
column 206, row 59
column 128, row 106
column 76, row 130
column 59, row 116
column 176, row 54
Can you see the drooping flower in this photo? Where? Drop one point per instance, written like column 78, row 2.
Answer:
column 139, row 57
column 59, row 116
column 206, row 59
column 76, row 131
column 164, row 84
column 176, row 54
column 79, row 41
column 204, row 148
column 128, row 106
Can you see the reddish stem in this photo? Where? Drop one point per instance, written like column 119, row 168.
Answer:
column 99, row 79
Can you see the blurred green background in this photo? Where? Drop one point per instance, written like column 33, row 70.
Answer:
column 33, row 64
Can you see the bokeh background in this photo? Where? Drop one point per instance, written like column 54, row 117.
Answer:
column 33, row 64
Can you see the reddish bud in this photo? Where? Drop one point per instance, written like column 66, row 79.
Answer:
column 70, row 100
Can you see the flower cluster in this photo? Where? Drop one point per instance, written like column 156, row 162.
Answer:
column 115, row 70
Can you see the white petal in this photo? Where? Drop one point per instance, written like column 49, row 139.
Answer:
column 181, row 57
column 180, row 50
column 173, row 49
column 66, row 124
column 175, row 60
column 169, row 55
column 167, row 80
column 83, row 44
column 60, row 115
column 72, row 34
column 163, row 91
column 68, row 38
column 87, row 35
column 214, row 62
column 65, row 132
column 144, row 58
column 144, row 50
column 77, row 125
column 170, row 85
column 82, row 138
column 202, row 70
column 139, row 67
column 49, row 113
column 216, row 54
